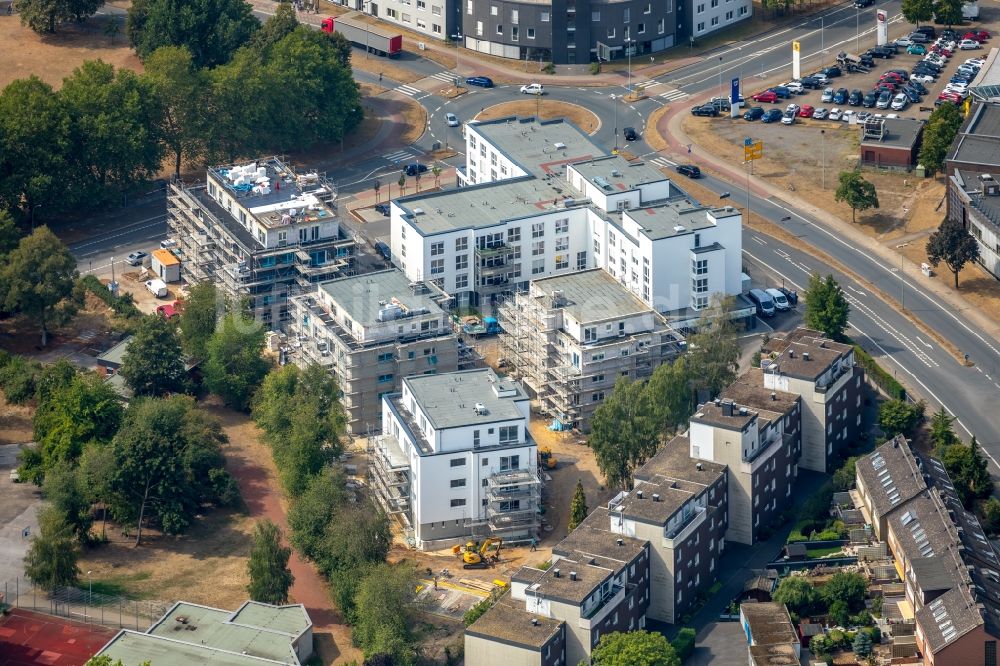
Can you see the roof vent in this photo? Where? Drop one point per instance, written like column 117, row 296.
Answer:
column 774, row 396
column 699, row 466
column 559, row 145
column 743, row 411
column 534, row 621
column 656, row 497
column 556, row 573
column 621, row 542
column 638, row 494
column 572, row 575
column 727, row 408
column 418, row 211
column 480, row 409
column 791, row 353
column 805, row 356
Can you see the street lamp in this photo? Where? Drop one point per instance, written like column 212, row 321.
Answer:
column 822, row 41
column 822, row 138
column 720, row 75
column 90, row 590
column 628, row 52
column 614, row 103
column 857, row 28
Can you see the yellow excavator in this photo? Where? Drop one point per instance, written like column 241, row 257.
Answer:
column 480, row 556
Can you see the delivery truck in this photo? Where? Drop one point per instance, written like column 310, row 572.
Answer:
column 374, row 39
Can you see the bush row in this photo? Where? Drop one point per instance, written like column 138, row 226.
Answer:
column 882, row 379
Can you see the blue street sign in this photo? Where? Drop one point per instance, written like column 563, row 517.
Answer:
column 734, row 93
column 747, row 142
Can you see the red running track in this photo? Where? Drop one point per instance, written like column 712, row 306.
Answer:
column 28, row 638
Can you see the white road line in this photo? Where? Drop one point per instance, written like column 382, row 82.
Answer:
column 673, row 95
column 408, row 90
column 758, row 240
column 444, row 76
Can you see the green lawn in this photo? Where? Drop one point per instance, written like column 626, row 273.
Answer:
column 117, row 586
column 816, row 553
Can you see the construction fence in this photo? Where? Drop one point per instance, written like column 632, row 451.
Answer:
column 83, row 605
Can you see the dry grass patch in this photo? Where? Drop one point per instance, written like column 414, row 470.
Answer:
column 415, row 118
column 15, row 422
column 545, row 109
column 374, row 64
column 651, row 135
column 980, row 289
column 451, row 92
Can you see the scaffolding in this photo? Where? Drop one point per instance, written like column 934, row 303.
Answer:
column 389, row 475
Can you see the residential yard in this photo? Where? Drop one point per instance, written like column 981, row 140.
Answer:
column 545, row 109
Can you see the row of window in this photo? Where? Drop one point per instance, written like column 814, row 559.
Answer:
column 741, row 12
column 419, row 22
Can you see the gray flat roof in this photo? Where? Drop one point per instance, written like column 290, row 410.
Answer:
column 591, row 295
column 116, row 354
column 673, row 218
column 978, row 142
column 593, row 537
column 556, row 583
column 532, row 144
column 362, row 296
column 132, row 647
column 290, row 619
column 448, row 400
column 988, row 206
column 620, row 174
column 508, row 621
column 899, row 133
column 674, row 461
column 481, row 206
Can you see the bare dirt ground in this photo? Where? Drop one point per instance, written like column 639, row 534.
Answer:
column 545, row 109
column 54, row 57
column 15, row 422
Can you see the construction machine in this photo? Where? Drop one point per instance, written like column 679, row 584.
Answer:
column 546, row 459
column 480, row 556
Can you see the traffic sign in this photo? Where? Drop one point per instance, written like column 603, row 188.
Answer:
column 753, row 150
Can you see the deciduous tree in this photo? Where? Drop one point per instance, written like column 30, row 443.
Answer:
column 671, row 395
column 182, row 91
column 383, row 603
column 211, row 29
column 311, row 511
column 856, row 192
column 798, row 594
column 153, row 364
column 847, row 587
column 51, row 560
column 43, row 16
column 917, row 11
column 899, row 417
column 277, row 26
column 64, row 489
column 270, row 577
column 234, row 366
column 827, row 309
column 96, row 471
column 939, row 132
column 948, row 12
column 578, row 507
column 39, row 277
column 954, row 245
column 968, row 470
column 199, row 318
column 634, row 648
column 9, row 235
column 713, row 351
column 623, row 432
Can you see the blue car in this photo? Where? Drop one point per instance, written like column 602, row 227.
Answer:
column 481, row 81
column 771, row 116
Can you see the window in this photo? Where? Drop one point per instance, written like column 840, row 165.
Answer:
column 457, row 503
column 699, row 285
column 699, row 266
column 514, row 234
column 562, row 244
column 715, row 20
column 458, row 483
column 499, row 29
column 479, row 32
column 595, row 17
column 544, row 17
column 648, row 9
column 391, row 13
column 385, row 358
column 597, row 379
column 436, row 249
column 475, row 438
column 590, row 334
column 537, row 248
column 462, row 281
column 701, row 8
column 743, row 10
column 461, row 262
column 611, row 33
column 508, row 463
column 660, row 27
column 538, row 230
column 729, row 16
column 436, row 10
column 597, row 397
column 531, row 33
column 493, row 10
column 514, row 32
column 537, row 266
column 700, row 302
column 562, row 226
column 701, row 28
column 508, row 434
column 457, row 462
column 562, row 261
column 421, row 4
column 642, row 29
column 385, row 379
column 437, row 266
column 581, row 261
column 468, row 7
column 406, row 18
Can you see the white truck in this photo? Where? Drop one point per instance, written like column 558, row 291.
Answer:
column 970, row 10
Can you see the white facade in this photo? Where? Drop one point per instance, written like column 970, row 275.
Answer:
column 712, row 15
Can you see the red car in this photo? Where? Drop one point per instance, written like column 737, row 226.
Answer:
column 169, row 310
column 885, row 85
column 973, row 35
column 982, row 35
column 951, row 97
column 941, row 50
column 890, row 77
column 806, row 111
column 766, row 96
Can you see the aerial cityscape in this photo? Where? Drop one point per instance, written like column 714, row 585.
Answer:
column 499, row 333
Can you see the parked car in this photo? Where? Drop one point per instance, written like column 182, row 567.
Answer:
column 782, row 92
column 921, row 78
column 822, row 78
column 972, row 34
column 721, row 103
column 382, row 209
column 795, row 86
column 916, row 49
column 881, row 52
column 169, row 310
column 832, row 72
column 451, row 119
column 827, row 95
column 911, row 95
column 918, row 86
column 788, row 117
column 753, row 113
column 869, row 100
column 919, row 38
column 533, row 89
column 768, row 96
column 960, row 88
column 861, row 4
column 927, row 30
column 779, row 298
column 840, row 97
column 969, row 45
column 764, row 303
column 854, row 99
column 982, row 35
column 810, row 82
column 794, row 108
column 414, row 169
column 884, row 100
column 821, row 113
column 792, row 296
column 904, row 41
column 481, row 81
column 863, row 116
column 771, row 116
column 806, row 111
column 846, row 116
column 383, row 250
column 899, row 102
column 690, row 170
column 834, row 114
column 157, row 287
column 136, row 258
column 705, row 110
column 975, row 62
column 630, row 134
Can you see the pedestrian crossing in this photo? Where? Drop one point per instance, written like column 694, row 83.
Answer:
column 447, row 77
column 674, row 95
column 662, row 162
column 408, row 90
column 646, row 85
column 400, row 156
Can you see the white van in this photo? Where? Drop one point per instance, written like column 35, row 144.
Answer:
column 780, row 301
column 157, row 287
column 764, row 303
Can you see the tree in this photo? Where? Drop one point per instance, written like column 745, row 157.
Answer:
column 198, row 319
column 34, row 144
column 840, row 614
column 234, row 366
column 623, row 432
column 856, row 192
column 939, row 132
column 941, row 432
column 798, row 594
column 10, row 235
column 115, row 120
column 182, row 92
column 862, row 645
column 270, row 577
column 168, row 463
column 211, row 29
column 96, row 473
column 847, row 587
column 713, row 351
column 954, row 245
column 39, row 277
column 383, row 600
column 634, row 648
column 827, row 309
column 51, row 559
column 948, row 12
column 917, row 11
column 843, row 478
column 669, row 390
column 279, row 25
column 67, row 494
column 43, row 16
column 899, row 417
column 819, row 645
column 153, row 363
column 968, row 470
column 578, row 507
column 990, row 511
column 311, row 511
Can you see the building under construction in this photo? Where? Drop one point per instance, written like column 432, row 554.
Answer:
column 260, row 232
column 570, row 337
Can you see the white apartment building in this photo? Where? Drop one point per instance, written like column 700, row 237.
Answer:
column 539, row 199
column 455, row 459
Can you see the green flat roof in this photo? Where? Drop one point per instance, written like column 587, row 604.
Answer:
column 291, row 620
column 134, row 648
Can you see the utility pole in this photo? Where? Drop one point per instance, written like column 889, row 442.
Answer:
column 822, row 138
column 628, row 47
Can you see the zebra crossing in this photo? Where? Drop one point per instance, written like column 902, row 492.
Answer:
column 646, row 85
column 674, row 95
column 401, row 156
column 662, row 162
column 447, row 77
column 408, row 90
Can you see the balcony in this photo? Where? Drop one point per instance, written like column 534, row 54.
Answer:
column 677, row 535
column 608, row 603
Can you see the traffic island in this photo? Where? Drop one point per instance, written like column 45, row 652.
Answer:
column 544, row 109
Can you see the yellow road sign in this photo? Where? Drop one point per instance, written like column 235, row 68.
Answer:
column 796, row 46
column 753, row 151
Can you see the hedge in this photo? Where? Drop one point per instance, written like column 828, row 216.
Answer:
column 882, row 379
column 122, row 305
column 683, row 644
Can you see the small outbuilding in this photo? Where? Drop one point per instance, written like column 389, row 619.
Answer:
column 891, row 142
column 166, row 266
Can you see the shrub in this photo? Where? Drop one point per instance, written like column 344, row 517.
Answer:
column 595, row 68
column 684, row 643
column 123, row 306
column 549, row 68
column 17, row 378
column 880, row 377
column 477, row 611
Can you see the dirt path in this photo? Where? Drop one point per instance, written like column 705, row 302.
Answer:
column 249, row 460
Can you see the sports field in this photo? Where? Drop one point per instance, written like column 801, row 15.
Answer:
column 28, row 638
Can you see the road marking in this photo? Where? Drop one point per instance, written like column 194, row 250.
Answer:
column 646, row 85
column 925, row 344
column 408, row 90
column 447, row 77
column 674, row 95
column 663, row 162
column 400, row 155
column 759, row 240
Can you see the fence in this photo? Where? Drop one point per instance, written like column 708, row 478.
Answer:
column 84, row 606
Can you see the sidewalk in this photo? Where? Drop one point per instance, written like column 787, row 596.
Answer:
column 670, row 127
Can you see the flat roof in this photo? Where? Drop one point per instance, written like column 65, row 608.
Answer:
column 789, row 354
column 593, row 537
column 362, row 296
column 675, row 217
column 290, row 619
column 726, row 415
column 538, row 147
column 132, row 647
column 613, row 173
column 192, row 623
column 770, row 623
column 782, row 654
column 898, row 133
column 509, row 622
column 674, row 461
column 166, row 257
column 748, row 389
column 988, row 206
column 558, row 583
column 484, row 205
column 590, row 295
column 986, row 85
column 448, row 400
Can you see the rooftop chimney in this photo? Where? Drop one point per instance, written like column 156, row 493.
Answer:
column 638, row 494
column 791, row 353
column 556, row 572
column 699, row 466
column 656, row 497
column 727, row 408
column 534, row 621
column 621, row 542
column 774, row 396
column 572, row 575
column 805, row 356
